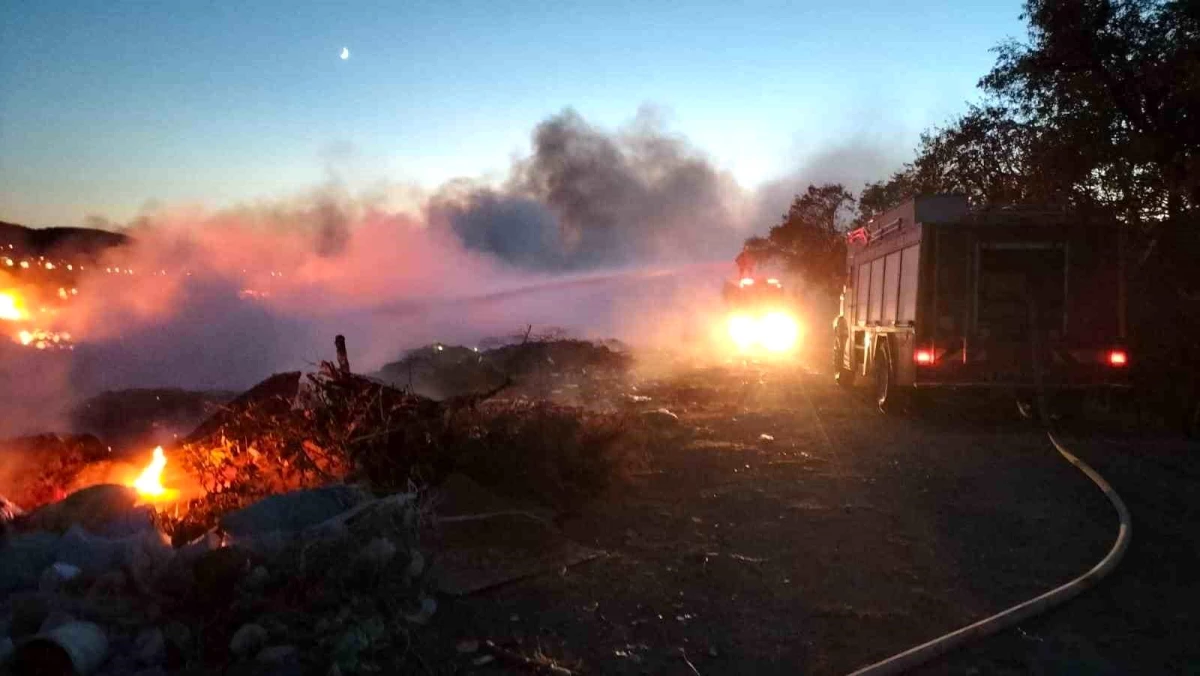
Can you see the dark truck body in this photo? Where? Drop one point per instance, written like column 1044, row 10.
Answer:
column 978, row 299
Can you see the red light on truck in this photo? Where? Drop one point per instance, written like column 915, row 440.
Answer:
column 1118, row 358
column 923, row 357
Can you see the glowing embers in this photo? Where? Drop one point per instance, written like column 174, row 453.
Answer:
column 40, row 339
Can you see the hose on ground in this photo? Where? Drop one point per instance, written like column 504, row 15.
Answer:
column 920, row 654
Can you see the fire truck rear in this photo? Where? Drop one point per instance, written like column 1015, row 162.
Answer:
column 940, row 296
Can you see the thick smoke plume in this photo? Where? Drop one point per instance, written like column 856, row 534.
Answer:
column 586, row 199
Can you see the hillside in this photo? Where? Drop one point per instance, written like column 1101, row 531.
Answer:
column 69, row 242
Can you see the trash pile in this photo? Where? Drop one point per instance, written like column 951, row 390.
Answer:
column 299, row 581
column 312, row 546
column 296, row 431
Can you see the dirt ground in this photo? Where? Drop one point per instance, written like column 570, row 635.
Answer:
column 843, row 537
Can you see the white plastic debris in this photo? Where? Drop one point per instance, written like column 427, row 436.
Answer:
column 307, row 394
column 661, row 416
column 56, row 574
column 83, row 643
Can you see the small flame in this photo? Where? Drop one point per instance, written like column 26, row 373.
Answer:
column 149, row 482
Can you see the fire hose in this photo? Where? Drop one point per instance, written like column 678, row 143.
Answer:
column 929, row 650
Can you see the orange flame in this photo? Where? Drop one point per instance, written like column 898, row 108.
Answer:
column 12, row 308
column 149, row 482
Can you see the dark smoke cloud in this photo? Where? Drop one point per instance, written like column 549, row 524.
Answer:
column 518, row 229
column 587, row 198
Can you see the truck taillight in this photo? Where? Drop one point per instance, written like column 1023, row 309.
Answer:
column 923, row 357
column 1117, row 358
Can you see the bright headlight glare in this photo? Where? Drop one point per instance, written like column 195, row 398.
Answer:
column 779, row 332
column 742, row 330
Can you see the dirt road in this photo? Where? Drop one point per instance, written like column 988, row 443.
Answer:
column 783, row 527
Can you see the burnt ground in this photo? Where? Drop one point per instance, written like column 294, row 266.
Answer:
column 849, row 537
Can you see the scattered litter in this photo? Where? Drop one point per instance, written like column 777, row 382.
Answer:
column 747, row 559
column 82, row 646
column 660, row 416
column 683, row 654
column 766, row 437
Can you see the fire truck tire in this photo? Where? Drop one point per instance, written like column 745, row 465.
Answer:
column 887, row 395
column 845, row 378
column 842, row 375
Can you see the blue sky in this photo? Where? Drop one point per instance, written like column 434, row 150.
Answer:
column 105, row 106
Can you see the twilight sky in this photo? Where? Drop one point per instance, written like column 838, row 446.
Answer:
column 108, row 106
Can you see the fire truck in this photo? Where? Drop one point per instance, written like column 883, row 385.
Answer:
column 762, row 317
column 940, row 296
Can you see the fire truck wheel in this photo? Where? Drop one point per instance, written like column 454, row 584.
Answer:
column 844, row 377
column 887, row 395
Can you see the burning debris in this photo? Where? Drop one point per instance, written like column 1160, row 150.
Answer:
column 149, row 482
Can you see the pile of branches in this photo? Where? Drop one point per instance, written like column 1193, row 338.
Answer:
column 543, row 366
column 337, row 427
column 294, row 432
